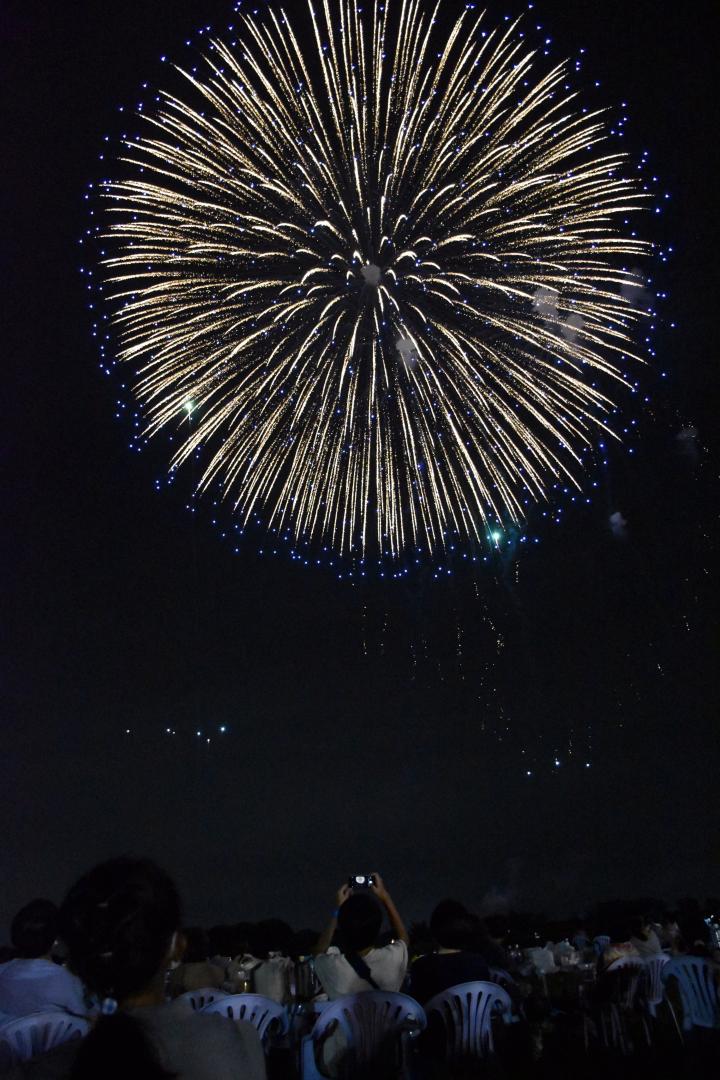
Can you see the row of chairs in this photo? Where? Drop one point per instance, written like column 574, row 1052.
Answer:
column 200, row 999
column 646, row 981
column 373, row 1023
column 467, row 1011
column 636, row 988
column 369, row 1022
column 370, row 1019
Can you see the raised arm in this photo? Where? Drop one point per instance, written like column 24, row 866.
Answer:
column 393, row 914
column 324, row 942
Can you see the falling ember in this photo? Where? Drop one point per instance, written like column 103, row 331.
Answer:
column 385, row 274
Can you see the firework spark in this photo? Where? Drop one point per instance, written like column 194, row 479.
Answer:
column 334, row 244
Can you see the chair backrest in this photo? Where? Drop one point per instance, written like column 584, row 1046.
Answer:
column 262, row 1012
column 200, row 999
column 654, row 989
column 600, row 943
column 698, row 990
column 625, row 962
column 467, row 1011
column 369, row 1020
column 307, row 984
column 624, row 981
column 501, row 977
column 29, row 1036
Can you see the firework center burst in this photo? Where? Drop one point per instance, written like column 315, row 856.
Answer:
column 386, row 272
column 372, row 274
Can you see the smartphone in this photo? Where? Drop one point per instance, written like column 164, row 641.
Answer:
column 361, row 881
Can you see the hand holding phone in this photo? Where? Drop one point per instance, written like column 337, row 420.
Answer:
column 361, row 881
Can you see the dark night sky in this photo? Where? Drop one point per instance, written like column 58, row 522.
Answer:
column 120, row 610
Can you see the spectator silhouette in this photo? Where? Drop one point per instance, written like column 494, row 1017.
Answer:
column 120, row 924
column 455, row 958
column 357, row 964
column 31, row 981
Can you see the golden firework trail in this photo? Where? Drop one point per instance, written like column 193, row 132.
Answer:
column 384, row 260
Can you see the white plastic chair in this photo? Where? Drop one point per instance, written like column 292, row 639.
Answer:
column 654, row 987
column 200, row 999
column 631, row 963
column 698, row 991
column 504, row 979
column 263, row 1013
column 501, row 977
column 371, row 1023
column 467, row 1012
column 29, row 1036
column 624, row 978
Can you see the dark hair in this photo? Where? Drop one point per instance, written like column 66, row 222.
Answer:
column 497, row 926
column 303, row 942
column 454, row 927
column 445, row 912
column 222, row 940
column 197, row 945
column 638, row 928
column 241, row 936
column 620, row 931
column 118, row 921
column 359, row 922
column 34, row 929
column 271, row 935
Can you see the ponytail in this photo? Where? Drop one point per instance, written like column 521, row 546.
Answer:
column 118, row 923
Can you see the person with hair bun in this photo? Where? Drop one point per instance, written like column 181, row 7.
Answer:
column 120, row 924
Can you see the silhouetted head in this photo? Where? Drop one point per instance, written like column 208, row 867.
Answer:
column 453, row 926
column 271, row 935
column 197, row 946
column 118, row 922
column 359, row 922
column 34, row 929
column 638, row 927
column 621, row 930
column 497, row 927
column 222, row 941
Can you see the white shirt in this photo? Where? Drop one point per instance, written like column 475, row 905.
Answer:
column 649, row 946
column 33, row 985
column 193, row 1046
column 387, row 967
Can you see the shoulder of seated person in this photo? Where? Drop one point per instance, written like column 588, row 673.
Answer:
column 391, row 947
column 169, row 1013
column 332, row 950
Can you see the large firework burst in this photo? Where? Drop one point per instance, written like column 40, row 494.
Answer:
column 380, row 259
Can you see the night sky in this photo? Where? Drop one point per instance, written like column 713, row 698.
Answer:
column 408, row 727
